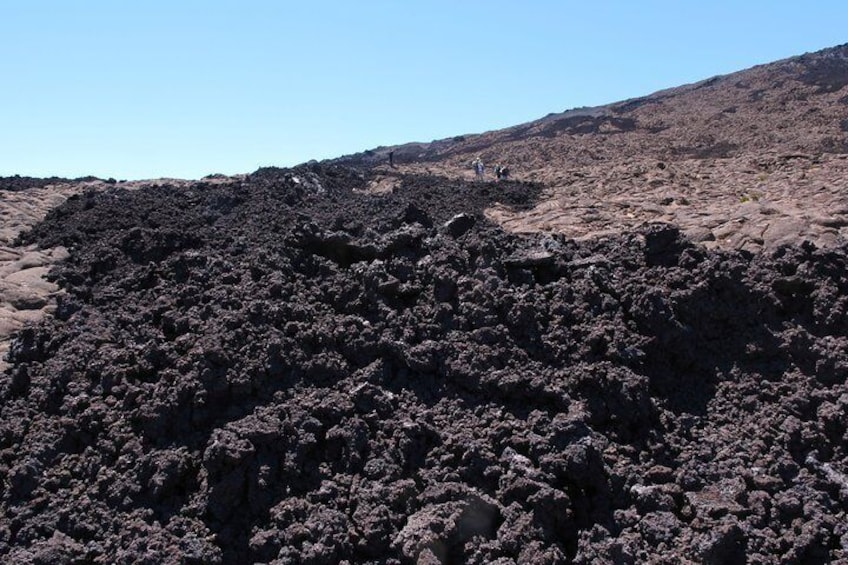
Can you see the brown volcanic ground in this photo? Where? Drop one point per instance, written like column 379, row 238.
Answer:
column 326, row 364
column 750, row 160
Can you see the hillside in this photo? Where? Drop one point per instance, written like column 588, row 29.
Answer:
column 749, row 160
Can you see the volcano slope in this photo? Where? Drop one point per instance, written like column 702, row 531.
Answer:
column 752, row 160
column 283, row 369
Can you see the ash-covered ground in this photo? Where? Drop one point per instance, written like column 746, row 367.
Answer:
column 286, row 370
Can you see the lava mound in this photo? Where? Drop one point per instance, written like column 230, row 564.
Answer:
column 18, row 183
column 286, row 369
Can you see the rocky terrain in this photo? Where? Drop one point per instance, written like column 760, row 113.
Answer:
column 24, row 294
column 749, row 160
column 347, row 362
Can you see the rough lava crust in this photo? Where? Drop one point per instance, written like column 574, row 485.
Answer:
column 283, row 369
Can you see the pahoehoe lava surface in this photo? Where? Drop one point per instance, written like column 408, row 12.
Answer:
column 283, row 369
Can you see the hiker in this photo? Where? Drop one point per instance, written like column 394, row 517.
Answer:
column 479, row 168
column 392, row 158
column 498, row 172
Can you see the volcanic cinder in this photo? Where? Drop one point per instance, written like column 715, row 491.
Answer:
column 349, row 362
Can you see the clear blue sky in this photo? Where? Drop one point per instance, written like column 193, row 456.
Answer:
column 185, row 88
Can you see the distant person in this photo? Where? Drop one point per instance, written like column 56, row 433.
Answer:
column 498, row 172
column 392, row 158
column 479, row 168
column 504, row 172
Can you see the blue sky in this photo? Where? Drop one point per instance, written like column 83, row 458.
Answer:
column 185, row 88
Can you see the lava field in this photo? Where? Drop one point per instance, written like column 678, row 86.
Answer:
column 286, row 369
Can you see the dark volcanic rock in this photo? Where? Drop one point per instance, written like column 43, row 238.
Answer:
column 284, row 370
column 17, row 182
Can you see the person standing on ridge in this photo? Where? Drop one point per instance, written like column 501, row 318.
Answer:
column 392, row 158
